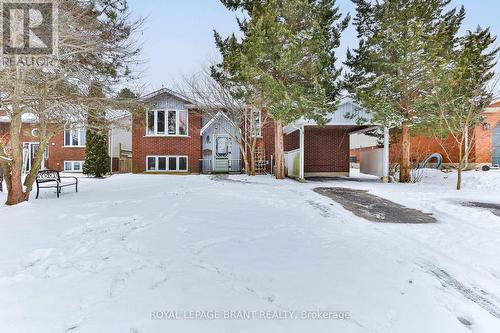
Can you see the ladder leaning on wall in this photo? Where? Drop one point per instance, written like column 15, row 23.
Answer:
column 260, row 160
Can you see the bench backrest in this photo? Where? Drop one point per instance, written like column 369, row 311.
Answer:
column 45, row 176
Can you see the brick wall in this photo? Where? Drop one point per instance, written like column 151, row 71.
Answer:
column 326, row 150
column 291, row 141
column 422, row 146
column 484, row 138
column 58, row 153
column 267, row 140
column 26, row 132
column 143, row 146
column 357, row 152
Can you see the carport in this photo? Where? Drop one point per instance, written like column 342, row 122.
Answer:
column 314, row 151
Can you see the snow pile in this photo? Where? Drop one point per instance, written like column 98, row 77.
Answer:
column 471, row 180
column 125, row 248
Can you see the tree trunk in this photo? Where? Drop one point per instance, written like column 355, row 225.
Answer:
column 404, row 170
column 252, row 162
column 279, row 171
column 244, row 155
column 15, row 189
column 16, row 194
column 460, row 165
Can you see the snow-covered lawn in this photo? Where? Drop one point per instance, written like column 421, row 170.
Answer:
column 105, row 259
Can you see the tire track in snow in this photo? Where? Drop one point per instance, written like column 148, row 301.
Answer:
column 481, row 297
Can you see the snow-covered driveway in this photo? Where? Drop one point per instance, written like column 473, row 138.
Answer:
column 108, row 258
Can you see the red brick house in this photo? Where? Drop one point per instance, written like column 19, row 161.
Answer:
column 485, row 138
column 66, row 150
column 166, row 138
column 172, row 137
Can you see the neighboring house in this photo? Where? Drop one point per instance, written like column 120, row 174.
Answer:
column 65, row 151
column 485, row 149
column 120, row 143
column 360, row 143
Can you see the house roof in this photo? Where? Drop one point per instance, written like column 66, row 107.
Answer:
column 495, row 104
column 169, row 92
column 494, row 107
column 212, row 121
column 348, row 113
column 26, row 118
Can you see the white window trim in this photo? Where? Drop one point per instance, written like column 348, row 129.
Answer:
column 80, row 131
column 259, row 134
column 177, row 113
column 73, row 166
column 167, row 157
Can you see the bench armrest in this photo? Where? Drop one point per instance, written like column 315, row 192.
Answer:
column 70, row 177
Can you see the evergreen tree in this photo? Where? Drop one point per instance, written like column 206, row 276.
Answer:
column 389, row 69
column 126, row 93
column 96, row 151
column 285, row 62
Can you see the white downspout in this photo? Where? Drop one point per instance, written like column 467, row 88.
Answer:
column 111, row 150
column 301, row 163
column 385, row 157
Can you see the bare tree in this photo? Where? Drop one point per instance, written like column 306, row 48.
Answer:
column 95, row 44
column 462, row 89
column 233, row 115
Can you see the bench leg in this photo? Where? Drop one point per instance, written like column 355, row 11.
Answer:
column 58, row 191
column 37, row 191
column 76, row 187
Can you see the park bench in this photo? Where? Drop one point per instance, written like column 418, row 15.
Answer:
column 52, row 179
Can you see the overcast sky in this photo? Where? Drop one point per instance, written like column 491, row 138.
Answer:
column 178, row 34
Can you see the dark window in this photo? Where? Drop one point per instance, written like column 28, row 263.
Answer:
column 183, row 123
column 151, row 122
column 151, row 163
column 182, row 164
column 67, row 138
column 172, row 123
column 161, row 122
column 172, row 163
column 162, row 164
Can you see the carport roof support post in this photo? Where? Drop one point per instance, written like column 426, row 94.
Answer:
column 385, row 158
column 301, row 154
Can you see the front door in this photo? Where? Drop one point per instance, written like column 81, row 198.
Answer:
column 29, row 152
column 496, row 145
column 222, row 153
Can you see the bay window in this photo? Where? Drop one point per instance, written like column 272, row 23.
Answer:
column 167, row 123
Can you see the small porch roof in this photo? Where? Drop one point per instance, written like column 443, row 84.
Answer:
column 348, row 114
column 213, row 120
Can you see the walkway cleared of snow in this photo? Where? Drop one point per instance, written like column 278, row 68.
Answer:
column 128, row 247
